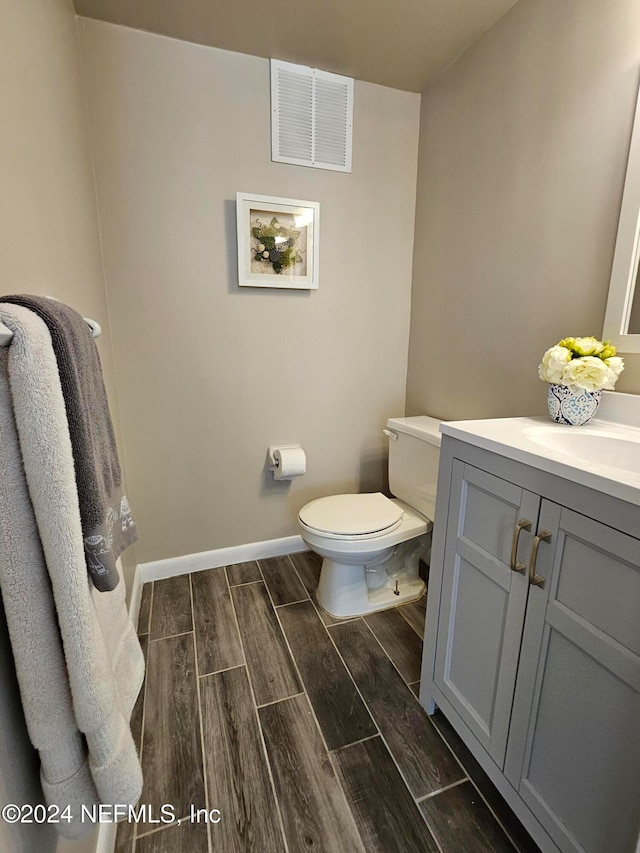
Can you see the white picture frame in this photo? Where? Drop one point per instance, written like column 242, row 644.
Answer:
column 288, row 231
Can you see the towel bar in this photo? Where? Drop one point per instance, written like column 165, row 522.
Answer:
column 6, row 335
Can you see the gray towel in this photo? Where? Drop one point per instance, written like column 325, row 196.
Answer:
column 78, row 660
column 108, row 527
column 35, row 637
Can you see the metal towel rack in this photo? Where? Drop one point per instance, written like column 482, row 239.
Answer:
column 6, row 335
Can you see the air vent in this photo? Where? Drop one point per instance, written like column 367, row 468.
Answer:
column 311, row 117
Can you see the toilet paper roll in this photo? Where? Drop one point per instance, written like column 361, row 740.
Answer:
column 290, row 462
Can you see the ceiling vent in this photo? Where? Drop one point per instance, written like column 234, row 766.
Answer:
column 311, row 117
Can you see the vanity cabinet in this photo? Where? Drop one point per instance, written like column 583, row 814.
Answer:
column 532, row 645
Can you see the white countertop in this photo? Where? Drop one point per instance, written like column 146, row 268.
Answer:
column 510, row 437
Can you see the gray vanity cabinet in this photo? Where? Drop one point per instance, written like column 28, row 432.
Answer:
column 484, row 601
column 574, row 744
column 537, row 662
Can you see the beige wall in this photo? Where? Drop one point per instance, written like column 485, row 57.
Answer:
column 50, row 245
column 48, row 215
column 210, row 374
column 522, row 160
column 48, row 221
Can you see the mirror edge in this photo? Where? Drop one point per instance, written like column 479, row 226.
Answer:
column 625, row 258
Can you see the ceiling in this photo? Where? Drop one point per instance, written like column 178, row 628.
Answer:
column 399, row 43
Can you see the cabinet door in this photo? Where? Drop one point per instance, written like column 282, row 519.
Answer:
column 574, row 743
column 483, row 601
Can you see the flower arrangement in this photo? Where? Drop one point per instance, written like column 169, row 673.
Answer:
column 276, row 244
column 585, row 364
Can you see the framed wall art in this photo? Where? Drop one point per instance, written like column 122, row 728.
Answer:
column 277, row 242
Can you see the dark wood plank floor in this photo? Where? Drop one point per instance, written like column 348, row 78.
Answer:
column 399, row 641
column 243, row 573
column 415, row 614
column 145, row 609
column 303, row 731
column 283, row 584
column 387, row 815
column 341, row 713
column 272, row 672
column 172, row 753
column 186, row 838
column 314, row 808
column 237, row 773
column 460, row 820
column 424, row 759
column 171, row 613
column 218, row 642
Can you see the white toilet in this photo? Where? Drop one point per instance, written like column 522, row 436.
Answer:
column 371, row 544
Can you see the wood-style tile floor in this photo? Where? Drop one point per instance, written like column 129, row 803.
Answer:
column 303, row 731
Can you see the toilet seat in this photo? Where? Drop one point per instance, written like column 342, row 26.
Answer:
column 351, row 516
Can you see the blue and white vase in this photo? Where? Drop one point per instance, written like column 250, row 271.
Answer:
column 573, row 407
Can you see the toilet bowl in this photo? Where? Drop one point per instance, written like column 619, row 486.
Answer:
column 371, row 545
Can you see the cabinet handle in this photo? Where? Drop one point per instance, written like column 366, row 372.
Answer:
column 516, row 565
column 535, row 579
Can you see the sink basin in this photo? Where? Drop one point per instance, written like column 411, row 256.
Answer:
column 603, row 455
column 597, row 446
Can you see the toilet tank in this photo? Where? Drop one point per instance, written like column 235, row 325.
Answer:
column 413, row 461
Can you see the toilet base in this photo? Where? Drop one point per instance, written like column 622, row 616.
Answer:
column 343, row 591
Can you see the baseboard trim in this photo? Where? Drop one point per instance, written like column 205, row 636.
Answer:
column 160, row 569
column 135, row 597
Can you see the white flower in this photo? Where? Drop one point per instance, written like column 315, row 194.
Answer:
column 589, row 373
column 554, row 362
column 588, row 346
column 615, row 366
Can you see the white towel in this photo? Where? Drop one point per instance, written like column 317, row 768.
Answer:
column 91, row 688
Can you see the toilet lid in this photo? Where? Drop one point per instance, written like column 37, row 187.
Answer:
column 351, row 515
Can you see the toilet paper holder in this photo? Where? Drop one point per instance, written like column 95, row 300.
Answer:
column 274, row 461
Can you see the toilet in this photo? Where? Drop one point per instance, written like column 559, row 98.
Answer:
column 370, row 544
